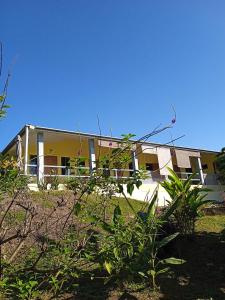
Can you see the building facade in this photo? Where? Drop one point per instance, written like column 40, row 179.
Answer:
column 48, row 152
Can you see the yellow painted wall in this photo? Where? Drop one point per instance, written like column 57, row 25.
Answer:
column 66, row 148
column 144, row 158
column 208, row 158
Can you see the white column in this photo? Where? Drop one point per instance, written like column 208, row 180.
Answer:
column 135, row 161
column 40, row 157
column 26, row 149
column 92, row 159
column 201, row 171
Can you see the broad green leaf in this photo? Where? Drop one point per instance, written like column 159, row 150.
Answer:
column 142, row 274
column 116, row 253
column 108, row 267
column 172, row 207
column 152, row 207
column 174, row 261
column 165, row 270
column 130, row 188
column 167, row 239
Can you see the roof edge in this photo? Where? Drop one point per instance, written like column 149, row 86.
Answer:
column 13, row 141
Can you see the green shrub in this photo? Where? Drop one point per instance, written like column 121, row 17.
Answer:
column 187, row 199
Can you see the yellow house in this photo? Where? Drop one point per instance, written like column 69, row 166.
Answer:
column 48, row 152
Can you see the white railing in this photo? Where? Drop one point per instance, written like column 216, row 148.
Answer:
column 117, row 173
column 77, row 171
column 185, row 175
column 69, row 172
column 209, row 179
column 32, row 170
column 82, row 171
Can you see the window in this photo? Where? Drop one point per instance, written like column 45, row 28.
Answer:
column 149, row 167
column 131, row 168
column 65, row 162
column 204, row 167
column 33, row 163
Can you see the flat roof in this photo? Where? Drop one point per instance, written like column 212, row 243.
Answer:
column 41, row 128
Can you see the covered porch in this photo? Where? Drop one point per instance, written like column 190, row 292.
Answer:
column 47, row 153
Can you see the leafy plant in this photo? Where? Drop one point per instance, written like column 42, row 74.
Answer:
column 24, row 289
column 187, row 199
column 10, row 178
column 131, row 249
column 77, row 165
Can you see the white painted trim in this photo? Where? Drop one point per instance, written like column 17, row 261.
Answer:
column 26, row 149
column 92, row 158
column 40, row 157
column 201, row 171
column 135, row 161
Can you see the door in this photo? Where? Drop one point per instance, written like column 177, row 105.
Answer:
column 50, row 160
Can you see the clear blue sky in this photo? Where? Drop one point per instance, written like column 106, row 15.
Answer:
column 127, row 61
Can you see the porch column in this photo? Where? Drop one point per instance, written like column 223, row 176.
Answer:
column 200, row 170
column 92, row 159
column 26, row 149
column 40, row 157
column 135, row 161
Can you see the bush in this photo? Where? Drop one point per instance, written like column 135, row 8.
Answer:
column 188, row 201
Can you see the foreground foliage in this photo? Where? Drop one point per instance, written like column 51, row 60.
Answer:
column 220, row 165
column 51, row 250
column 51, row 242
column 188, row 201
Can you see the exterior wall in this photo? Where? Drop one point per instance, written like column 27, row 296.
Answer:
column 208, row 158
column 144, row 158
column 103, row 151
column 67, row 148
column 147, row 189
column 145, row 192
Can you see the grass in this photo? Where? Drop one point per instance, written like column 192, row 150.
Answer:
column 215, row 224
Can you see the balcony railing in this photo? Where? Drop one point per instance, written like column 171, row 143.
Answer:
column 196, row 179
column 82, row 171
column 51, row 171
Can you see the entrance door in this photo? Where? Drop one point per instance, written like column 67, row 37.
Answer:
column 50, row 161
